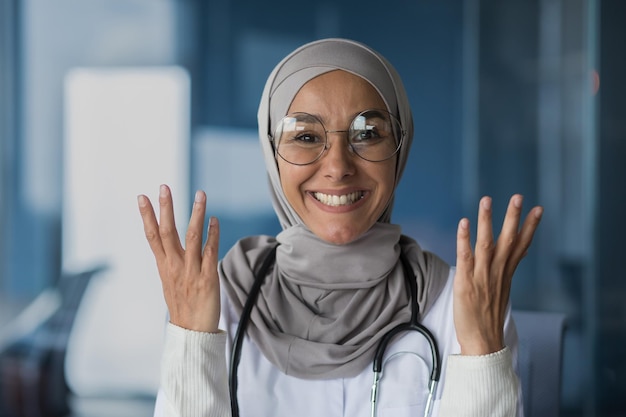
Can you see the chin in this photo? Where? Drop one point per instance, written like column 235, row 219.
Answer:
column 340, row 236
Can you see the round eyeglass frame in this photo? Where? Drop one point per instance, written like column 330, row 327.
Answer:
column 401, row 132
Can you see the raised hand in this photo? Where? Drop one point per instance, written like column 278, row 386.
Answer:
column 483, row 277
column 189, row 275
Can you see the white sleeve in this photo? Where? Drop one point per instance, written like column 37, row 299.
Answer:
column 480, row 386
column 194, row 376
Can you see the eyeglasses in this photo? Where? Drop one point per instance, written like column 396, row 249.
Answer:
column 374, row 135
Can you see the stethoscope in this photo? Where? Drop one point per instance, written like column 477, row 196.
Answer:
column 378, row 365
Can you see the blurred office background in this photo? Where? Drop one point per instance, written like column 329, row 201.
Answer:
column 508, row 96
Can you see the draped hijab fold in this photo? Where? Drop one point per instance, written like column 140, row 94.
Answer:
column 323, row 307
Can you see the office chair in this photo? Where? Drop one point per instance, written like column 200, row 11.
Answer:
column 33, row 351
column 539, row 360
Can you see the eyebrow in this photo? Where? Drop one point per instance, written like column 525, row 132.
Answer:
column 378, row 112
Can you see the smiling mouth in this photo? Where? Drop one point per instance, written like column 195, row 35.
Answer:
column 338, row 200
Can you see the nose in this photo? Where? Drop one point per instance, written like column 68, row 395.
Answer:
column 338, row 162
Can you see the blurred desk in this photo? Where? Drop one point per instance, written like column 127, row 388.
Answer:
column 9, row 309
column 107, row 407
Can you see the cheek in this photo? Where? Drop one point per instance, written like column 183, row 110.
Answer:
column 386, row 178
column 291, row 178
column 283, row 174
column 387, row 185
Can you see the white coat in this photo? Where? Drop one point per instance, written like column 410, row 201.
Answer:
column 265, row 391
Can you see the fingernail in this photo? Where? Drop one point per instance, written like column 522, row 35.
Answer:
column 539, row 212
column 141, row 200
column 163, row 191
column 517, row 201
column 486, row 203
column 464, row 223
column 198, row 197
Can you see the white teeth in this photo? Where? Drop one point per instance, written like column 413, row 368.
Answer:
column 338, row 200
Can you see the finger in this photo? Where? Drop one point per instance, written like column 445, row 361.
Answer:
column 507, row 241
column 211, row 248
column 193, row 237
column 150, row 225
column 464, row 253
column 508, row 238
column 484, row 238
column 167, row 225
column 525, row 238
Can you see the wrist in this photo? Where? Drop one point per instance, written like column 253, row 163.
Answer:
column 195, row 325
column 480, row 347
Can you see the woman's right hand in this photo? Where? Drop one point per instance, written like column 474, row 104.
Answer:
column 189, row 275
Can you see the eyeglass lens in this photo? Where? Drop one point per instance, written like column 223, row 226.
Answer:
column 374, row 135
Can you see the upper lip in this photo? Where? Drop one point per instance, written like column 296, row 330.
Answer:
column 335, row 198
column 343, row 191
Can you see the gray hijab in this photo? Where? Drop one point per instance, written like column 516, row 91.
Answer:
column 323, row 308
column 306, row 63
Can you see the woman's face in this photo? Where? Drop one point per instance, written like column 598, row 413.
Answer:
column 336, row 97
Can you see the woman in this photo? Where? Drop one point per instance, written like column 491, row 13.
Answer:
column 336, row 127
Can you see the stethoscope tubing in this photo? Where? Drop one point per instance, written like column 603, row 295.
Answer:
column 412, row 325
column 241, row 328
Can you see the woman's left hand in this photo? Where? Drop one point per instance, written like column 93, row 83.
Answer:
column 483, row 277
